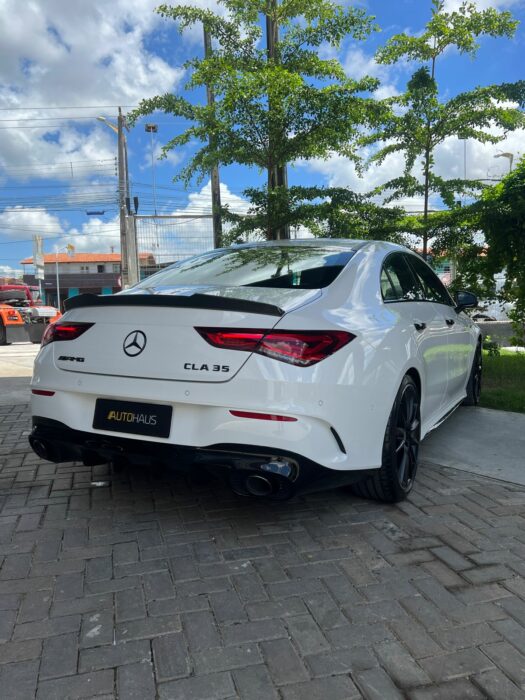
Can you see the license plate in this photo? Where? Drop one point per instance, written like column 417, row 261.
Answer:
column 133, row 417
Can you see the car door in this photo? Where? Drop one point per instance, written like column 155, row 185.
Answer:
column 402, row 291
column 455, row 326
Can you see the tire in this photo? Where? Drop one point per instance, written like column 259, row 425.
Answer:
column 395, row 478
column 474, row 380
column 3, row 334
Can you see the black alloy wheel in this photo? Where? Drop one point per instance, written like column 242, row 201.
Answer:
column 407, row 436
column 394, row 480
column 474, row 383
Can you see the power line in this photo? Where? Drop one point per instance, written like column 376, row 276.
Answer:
column 75, row 118
column 7, row 109
column 66, row 162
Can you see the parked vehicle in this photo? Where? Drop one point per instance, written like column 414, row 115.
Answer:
column 30, row 317
column 292, row 364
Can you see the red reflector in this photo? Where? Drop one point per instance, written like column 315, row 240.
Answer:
column 301, row 348
column 64, row 331
column 263, row 416
column 42, row 392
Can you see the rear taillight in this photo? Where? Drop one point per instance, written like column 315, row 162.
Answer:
column 64, row 331
column 301, row 348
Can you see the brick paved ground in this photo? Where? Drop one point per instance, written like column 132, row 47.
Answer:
column 144, row 587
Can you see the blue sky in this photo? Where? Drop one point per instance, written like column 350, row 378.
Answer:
column 77, row 61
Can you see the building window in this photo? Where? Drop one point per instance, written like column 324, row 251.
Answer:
column 100, row 268
column 116, row 267
column 84, row 268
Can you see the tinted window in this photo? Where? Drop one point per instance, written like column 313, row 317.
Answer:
column 397, row 280
column 433, row 288
column 286, row 267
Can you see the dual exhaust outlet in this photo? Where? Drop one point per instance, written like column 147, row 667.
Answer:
column 273, row 478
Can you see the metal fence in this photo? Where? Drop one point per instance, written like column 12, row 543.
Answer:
column 162, row 240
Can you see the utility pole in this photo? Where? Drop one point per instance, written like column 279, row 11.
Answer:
column 122, row 190
column 277, row 174
column 129, row 268
column 215, row 180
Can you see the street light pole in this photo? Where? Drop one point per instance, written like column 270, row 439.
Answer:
column 122, row 188
column 153, row 129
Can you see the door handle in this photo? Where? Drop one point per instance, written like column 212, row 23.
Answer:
column 450, row 321
column 420, row 326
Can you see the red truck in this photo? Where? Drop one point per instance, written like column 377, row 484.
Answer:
column 22, row 314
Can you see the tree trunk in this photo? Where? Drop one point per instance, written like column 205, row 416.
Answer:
column 277, row 175
column 426, row 194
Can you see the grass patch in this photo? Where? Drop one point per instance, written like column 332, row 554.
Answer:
column 503, row 384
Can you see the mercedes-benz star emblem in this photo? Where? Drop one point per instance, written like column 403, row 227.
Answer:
column 134, row 343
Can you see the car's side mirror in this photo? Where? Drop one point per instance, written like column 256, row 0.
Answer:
column 465, row 300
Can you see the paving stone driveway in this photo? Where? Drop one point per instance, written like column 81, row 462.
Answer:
column 137, row 585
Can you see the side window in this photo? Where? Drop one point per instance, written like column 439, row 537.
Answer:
column 433, row 288
column 397, row 280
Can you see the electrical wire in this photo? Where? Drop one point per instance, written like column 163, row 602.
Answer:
column 7, row 109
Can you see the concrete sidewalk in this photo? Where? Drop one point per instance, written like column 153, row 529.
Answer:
column 16, row 369
column 480, row 441
column 16, row 360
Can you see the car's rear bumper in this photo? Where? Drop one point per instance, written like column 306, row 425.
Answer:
column 286, row 473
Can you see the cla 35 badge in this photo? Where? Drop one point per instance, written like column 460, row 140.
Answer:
column 134, row 343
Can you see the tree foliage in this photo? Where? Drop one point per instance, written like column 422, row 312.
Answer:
column 332, row 212
column 501, row 218
column 269, row 111
column 419, row 120
column 316, row 108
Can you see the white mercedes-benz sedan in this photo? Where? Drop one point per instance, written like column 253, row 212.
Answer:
column 293, row 365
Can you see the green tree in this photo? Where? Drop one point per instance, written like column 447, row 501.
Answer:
column 270, row 110
column 420, row 120
column 501, row 218
column 333, row 212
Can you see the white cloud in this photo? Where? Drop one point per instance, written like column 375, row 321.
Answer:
column 173, row 157
column 449, row 158
column 7, row 271
column 173, row 239
column 95, row 236
column 358, row 64
column 452, row 5
column 22, row 223
column 74, row 54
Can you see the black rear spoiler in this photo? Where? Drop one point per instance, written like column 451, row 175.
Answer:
column 195, row 301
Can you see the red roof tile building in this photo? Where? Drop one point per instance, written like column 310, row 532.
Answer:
column 82, row 273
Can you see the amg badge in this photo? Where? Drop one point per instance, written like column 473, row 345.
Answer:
column 67, row 358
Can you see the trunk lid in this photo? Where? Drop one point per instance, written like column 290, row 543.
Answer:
column 152, row 335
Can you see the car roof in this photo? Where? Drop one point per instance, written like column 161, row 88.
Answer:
column 346, row 243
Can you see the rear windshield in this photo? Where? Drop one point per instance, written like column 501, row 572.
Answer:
column 286, row 267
